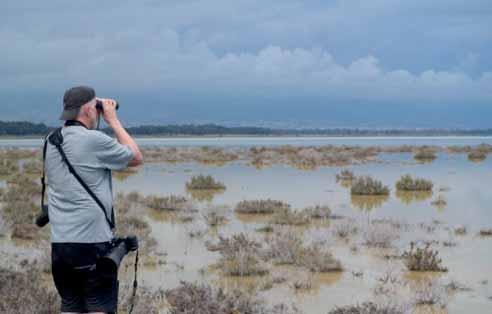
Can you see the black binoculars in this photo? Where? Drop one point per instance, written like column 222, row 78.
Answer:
column 100, row 107
column 108, row 264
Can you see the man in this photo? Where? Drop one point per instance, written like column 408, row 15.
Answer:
column 80, row 232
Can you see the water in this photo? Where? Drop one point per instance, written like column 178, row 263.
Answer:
column 275, row 141
column 463, row 184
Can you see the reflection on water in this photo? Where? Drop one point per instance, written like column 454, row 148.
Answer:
column 368, row 202
column 408, row 197
column 204, row 195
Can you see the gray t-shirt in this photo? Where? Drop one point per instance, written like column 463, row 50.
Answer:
column 74, row 215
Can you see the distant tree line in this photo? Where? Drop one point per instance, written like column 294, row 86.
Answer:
column 24, row 128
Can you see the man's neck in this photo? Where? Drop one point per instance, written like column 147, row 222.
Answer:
column 76, row 123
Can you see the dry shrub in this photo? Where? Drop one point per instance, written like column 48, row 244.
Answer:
column 477, row 155
column 146, row 301
column 422, row 259
column 380, row 234
column 318, row 212
column 345, row 175
column 240, row 256
column 430, row 292
column 25, row 231
column 285, row 247
column 190, row 298
column 8, row 167
column 288, row 216
column 460, row 230
column 267, row 206
column 33, row 167
column 407, row 183
column 485, row 232
column 167, row 203
column 368, row 186
column 425, row 154
column 20, row 212
column 345, row 229
column 202, row 182
column 440, row 201
column 26, row 292
column 318, row 259
column 214, row 216
column 369, row 308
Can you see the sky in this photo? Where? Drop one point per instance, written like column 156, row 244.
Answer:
column 277, row 63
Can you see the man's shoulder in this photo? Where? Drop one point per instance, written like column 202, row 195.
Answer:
column 86, row 137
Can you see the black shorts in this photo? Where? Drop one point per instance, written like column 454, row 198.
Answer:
column 81, row 287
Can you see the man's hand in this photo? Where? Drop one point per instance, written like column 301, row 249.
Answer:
column 109, row 110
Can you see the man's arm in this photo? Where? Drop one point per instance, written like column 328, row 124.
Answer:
column 121, row 134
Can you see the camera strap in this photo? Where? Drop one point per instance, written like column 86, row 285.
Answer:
column 56, row 139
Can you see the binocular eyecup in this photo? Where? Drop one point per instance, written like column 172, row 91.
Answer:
column 100, row 107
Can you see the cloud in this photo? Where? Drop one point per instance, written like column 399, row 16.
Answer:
column 381, row 51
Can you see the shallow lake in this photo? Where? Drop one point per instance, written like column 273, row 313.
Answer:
column 464, row 185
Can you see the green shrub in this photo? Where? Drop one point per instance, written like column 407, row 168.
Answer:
column 425, row 155
column 368, row 186
column 407, row 183
column 267, row 206
column 202, row 182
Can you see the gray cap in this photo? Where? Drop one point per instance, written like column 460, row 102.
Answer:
column 75, row 98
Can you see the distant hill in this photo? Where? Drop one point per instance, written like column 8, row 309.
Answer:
column 25, row 128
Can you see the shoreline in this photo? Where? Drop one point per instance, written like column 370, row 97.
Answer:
column 234, row 136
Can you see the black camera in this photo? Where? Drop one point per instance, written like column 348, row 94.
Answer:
column 108, row 264
column 100, row 107
column 43, row 219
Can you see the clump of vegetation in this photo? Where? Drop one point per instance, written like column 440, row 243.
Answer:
column 286, row 247
column 460, row 230
column 202, row 182
column 288, row 216
column 191, row 298
column 318, row 212
column 267, row 206
column 25, row 231
column 167, row 203
column 345, row 175
column 317, row 259
column 422, row 259
column 380, row 234
column 368, row 186
column 214, row 217
column 369, row 308
column 8, row 167
column 3, row 227
column 477, row 155
column 20, row 212
column 345, row 229
column 26, row 292
column 485, row 232
column 240, row 256
column 32, row 167
column 407, row 183
column 439, row 202
column 425, row 154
